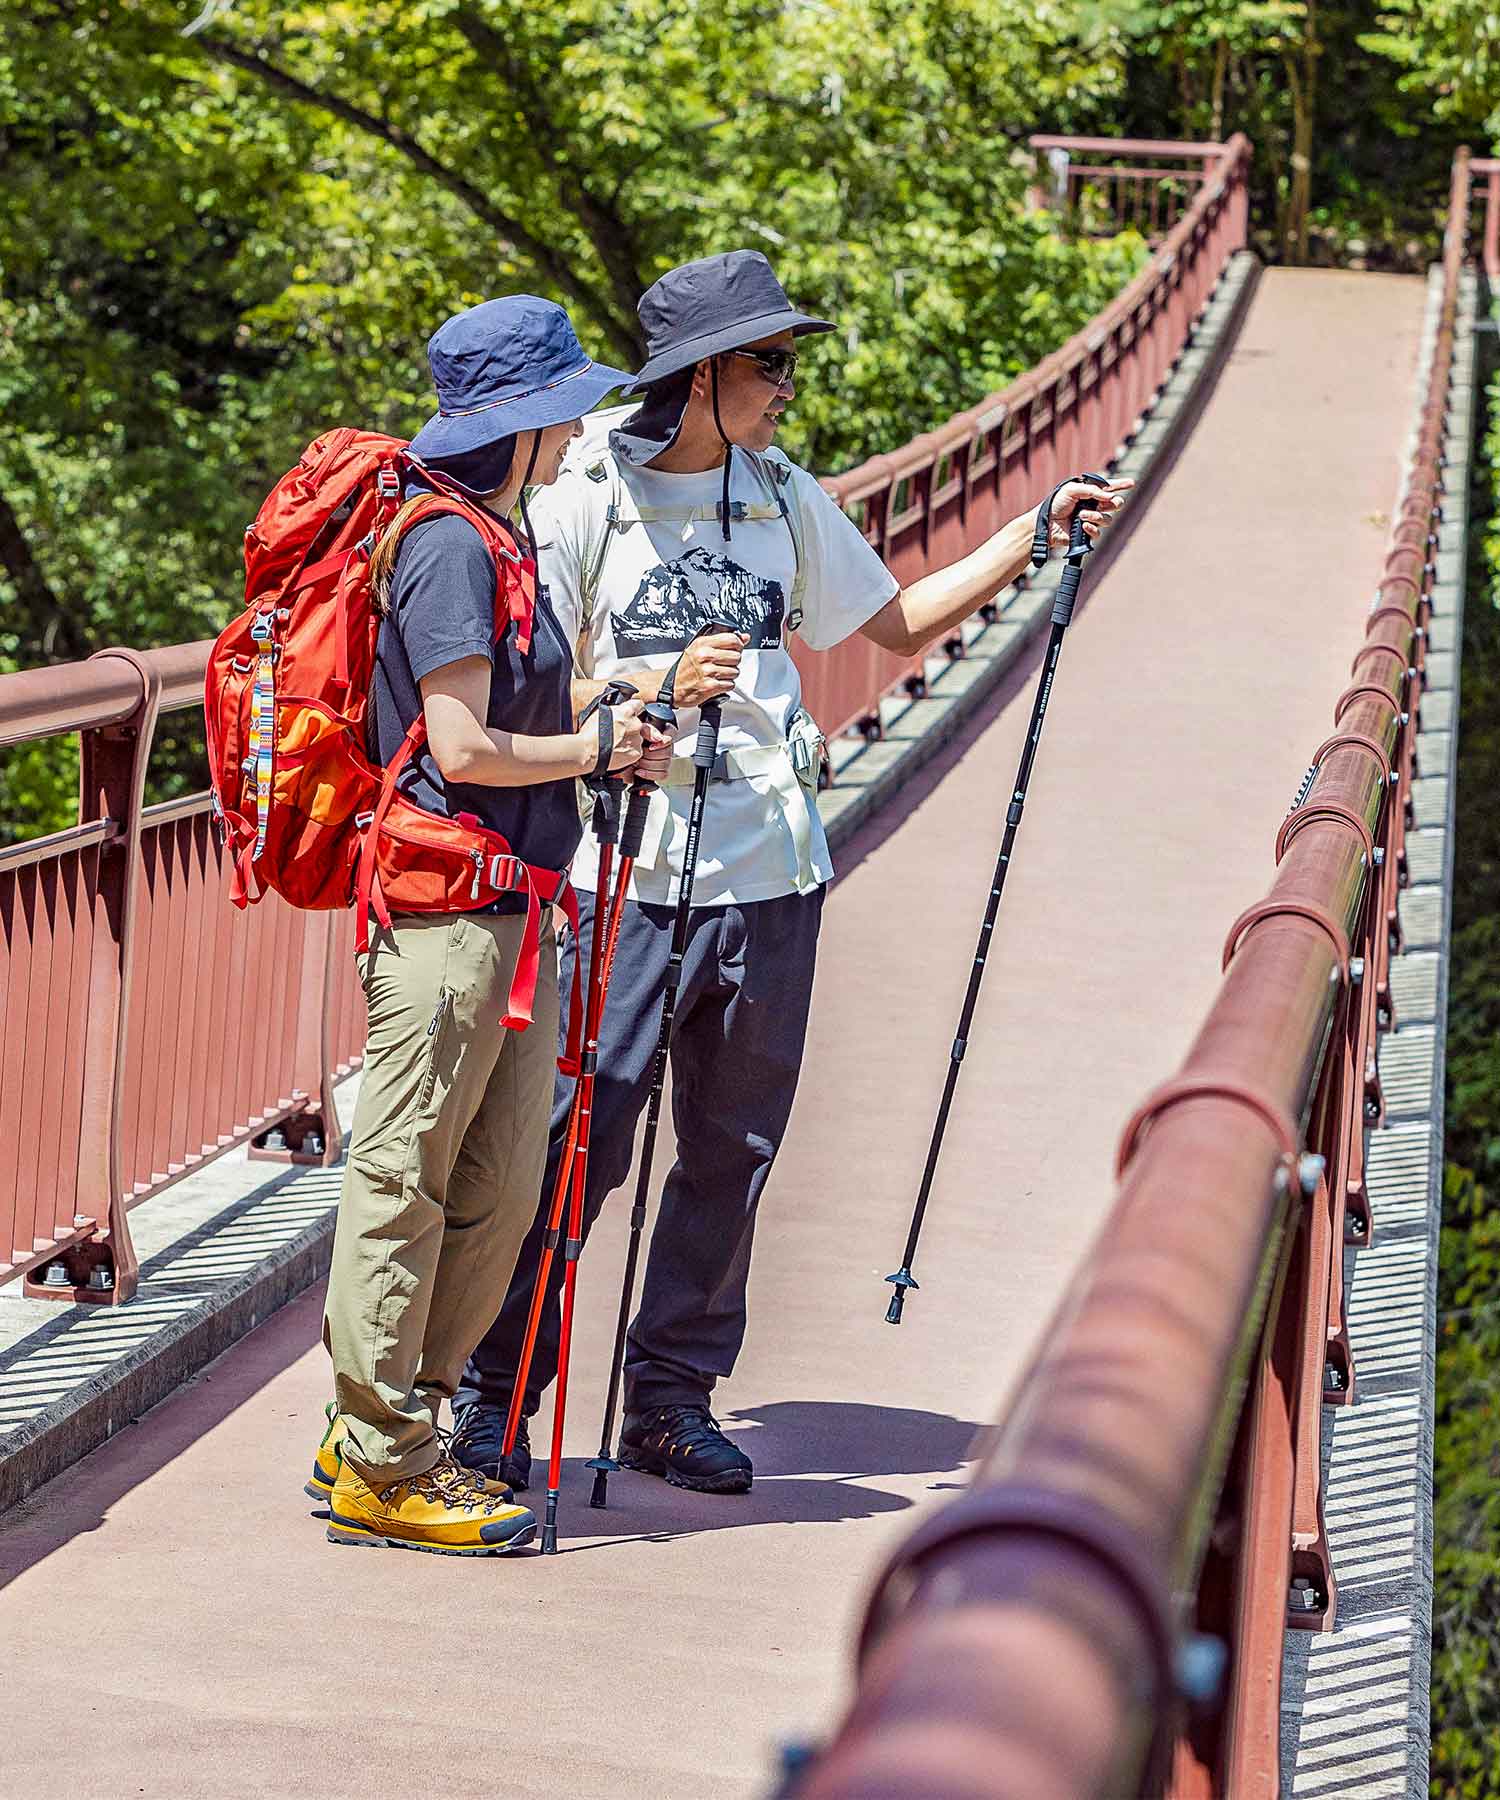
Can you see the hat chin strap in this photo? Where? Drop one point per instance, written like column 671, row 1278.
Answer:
column 536, row 446
column 713, row 376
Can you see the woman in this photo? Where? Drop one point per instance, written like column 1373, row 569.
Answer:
column 450, row 1131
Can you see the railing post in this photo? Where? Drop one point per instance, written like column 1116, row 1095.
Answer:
column 103, row 1267
column 313, row 1059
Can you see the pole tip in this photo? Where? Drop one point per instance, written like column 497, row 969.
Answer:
column 599, row 1498
column 549, row 1540
column 900, row 1281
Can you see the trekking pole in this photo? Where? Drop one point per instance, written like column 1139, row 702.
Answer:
column 630, row 844
column 604, row 826
column 1079, row 546
column 704, row 753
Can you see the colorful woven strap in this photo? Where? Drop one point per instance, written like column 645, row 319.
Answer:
column 263, row 725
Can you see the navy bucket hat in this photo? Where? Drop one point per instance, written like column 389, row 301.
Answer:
column 506, row 366
column 715, row 304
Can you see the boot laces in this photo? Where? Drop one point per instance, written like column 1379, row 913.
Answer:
column 687, row 1426
column 449, row 1484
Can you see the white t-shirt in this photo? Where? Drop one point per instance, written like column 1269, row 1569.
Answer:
column 660, row 584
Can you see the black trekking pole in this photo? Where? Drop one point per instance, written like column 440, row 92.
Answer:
column 661, row 713
column 1079, row 546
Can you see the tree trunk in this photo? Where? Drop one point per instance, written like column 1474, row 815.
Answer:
column 39, row 617
column 618, row 323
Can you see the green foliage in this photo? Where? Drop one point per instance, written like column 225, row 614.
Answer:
column 1449, row 51
column 214, row 246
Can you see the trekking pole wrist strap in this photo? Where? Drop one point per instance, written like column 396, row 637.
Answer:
column 613, row 694
column 1042, row 537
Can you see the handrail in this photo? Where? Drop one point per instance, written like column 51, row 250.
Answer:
column 1154, row 1483
column 942, row 494
column 1489, row 167
column 108, row 689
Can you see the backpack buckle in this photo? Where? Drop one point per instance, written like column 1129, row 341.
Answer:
column 505, row 873
column 263, row 628
column 364, row 820
column 387, row 483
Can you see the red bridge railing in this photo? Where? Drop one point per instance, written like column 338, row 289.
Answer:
column 1489, row 170
column 148, row 1026
column 1103, row 1612
column 945, row 492
column 1105, row 185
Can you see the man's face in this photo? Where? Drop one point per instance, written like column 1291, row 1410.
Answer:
column 751, row 400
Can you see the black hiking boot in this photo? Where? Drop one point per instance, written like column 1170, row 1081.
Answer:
column 478, row 1440
column 685, row 1445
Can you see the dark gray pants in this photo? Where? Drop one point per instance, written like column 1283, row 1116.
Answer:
column 736, row 1051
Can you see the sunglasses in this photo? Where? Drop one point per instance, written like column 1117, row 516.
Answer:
column 778, row 366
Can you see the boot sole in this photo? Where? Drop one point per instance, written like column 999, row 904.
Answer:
column 647, row 1462
column 359, row 1535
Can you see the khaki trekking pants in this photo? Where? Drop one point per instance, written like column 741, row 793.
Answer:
column 449, row 1143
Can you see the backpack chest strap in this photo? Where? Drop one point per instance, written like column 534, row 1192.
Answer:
column 740, row 512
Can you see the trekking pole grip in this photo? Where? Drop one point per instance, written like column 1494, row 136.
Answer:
column 1078, row 547
column 634, row 828
column 707, row 746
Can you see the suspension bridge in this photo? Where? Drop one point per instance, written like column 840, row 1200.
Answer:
column 1137, row 1499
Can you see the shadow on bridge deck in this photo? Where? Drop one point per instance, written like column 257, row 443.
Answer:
column 172, row 1596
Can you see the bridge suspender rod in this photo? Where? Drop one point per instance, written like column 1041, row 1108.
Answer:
column 1079, row 545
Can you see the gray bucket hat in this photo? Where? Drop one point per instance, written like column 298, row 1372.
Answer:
column 715, row 304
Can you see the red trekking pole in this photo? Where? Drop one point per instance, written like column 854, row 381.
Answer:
column 604, row 825
column 603, row 962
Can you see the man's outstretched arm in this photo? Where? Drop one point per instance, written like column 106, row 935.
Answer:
column 932, row 606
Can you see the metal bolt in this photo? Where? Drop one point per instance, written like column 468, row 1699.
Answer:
column 1310, row 1169
column 275, row 1139
column 1200, row 1665
column 1356, row 969
column 101, row 1278
column 56, row 1275
column 313, row 1143
column 1333, row 1379
column 1379, row 856
column 1354, row 1225
column 1304, row 1597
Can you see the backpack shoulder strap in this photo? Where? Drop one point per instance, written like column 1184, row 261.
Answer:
column 775, row 471
column 604, row 502
column 515, row 576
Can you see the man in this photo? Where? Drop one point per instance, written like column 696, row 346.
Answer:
column 687, row 518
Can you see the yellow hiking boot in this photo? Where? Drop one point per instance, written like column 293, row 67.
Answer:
column 445, row 1510
column 330, row 1459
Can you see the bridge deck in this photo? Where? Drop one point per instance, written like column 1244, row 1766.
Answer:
column 173, row 1613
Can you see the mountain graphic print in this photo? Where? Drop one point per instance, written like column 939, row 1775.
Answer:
column 676, row 600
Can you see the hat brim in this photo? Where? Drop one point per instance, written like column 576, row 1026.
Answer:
column 571, row 399
column 727, row 337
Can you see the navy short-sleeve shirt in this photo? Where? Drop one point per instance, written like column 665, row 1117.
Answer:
column 442, row 609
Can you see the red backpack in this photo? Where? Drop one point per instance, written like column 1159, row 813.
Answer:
column 302, row 807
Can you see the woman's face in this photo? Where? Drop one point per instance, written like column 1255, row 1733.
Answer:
column 551, row 451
